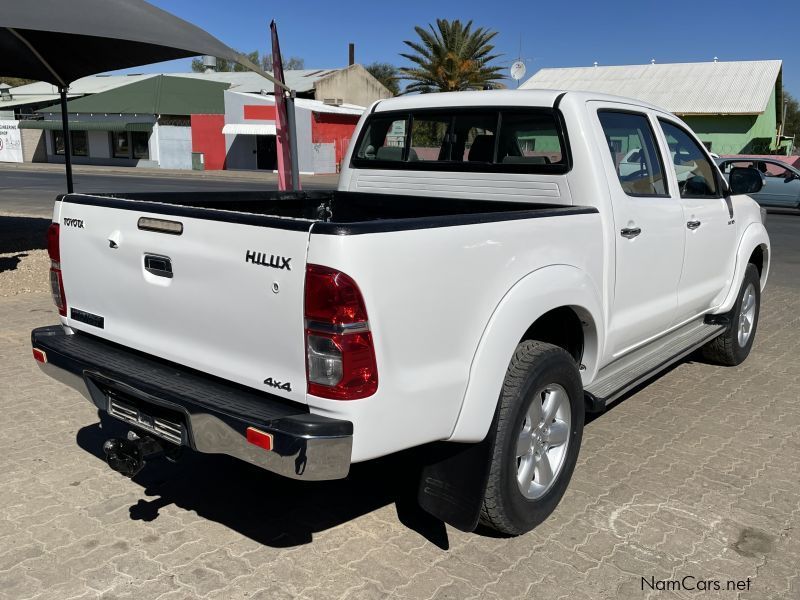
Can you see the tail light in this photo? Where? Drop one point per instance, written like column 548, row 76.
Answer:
column 56, row 279
column 339, row 350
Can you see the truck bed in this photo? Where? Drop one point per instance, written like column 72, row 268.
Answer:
column 331, row 212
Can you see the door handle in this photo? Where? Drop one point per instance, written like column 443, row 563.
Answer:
column 630, row 232
column 160, row 266
column 693, row 224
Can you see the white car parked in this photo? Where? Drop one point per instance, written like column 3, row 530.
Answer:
column 485, row 274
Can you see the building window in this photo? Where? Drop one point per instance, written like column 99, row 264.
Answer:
column 120, row 145
column 79, row 140
column 58, row 142
column 139, row 143
column 80, row 143
column 130, row 144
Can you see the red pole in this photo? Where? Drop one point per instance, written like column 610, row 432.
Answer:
column 284, row 141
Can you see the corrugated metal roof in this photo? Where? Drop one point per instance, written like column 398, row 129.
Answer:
column 55, row 124
column 312, row 105
column 302, row 80
column 247, row 81
column 736, row 87
column 160, row 95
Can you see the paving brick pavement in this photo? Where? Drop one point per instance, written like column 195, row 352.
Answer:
column 694, row 475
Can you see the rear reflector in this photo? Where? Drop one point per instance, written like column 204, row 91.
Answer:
column 39, row 355
column 259, row 438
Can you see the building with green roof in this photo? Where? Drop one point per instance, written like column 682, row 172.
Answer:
column 145, row 123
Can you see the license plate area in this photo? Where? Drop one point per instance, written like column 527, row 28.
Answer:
column 161, row 422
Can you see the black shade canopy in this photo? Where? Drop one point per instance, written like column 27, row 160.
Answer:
column 59, row 41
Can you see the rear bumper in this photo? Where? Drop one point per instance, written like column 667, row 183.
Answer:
column 205, row 413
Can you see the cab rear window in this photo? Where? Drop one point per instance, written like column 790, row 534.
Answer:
column 504, row 139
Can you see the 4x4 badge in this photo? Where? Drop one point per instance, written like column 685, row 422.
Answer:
column 286, row 387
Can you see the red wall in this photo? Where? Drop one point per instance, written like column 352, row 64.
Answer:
column 207, row 138
column 261, row 112
column 327, row 128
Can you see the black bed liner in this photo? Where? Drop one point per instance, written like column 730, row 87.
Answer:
column 328, row 212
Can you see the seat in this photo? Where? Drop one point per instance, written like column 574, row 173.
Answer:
column 393, row 153
column 482, row 149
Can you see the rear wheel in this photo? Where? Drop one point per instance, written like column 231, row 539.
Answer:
column 733, row 346
column 537, row 434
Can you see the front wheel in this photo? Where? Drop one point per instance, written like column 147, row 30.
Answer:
column 537, row 434
column 733, row 346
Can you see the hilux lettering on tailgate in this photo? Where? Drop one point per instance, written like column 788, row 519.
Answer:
column 268, row 260
column 73, row 223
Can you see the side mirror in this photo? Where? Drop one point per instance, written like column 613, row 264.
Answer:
column 745, row 181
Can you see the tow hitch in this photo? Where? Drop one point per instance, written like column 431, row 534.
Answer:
column 129, row 456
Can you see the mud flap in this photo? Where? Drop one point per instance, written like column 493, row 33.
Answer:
column 453, row 481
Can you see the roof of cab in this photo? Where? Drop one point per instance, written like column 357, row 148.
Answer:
column 519, row 97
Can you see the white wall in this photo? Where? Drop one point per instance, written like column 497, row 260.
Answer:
column 174, row 146
column 99, row 144
column 241, row 149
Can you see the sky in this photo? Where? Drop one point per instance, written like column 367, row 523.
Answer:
column 552, row 34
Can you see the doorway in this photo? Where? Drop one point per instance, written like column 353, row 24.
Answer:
column 266, row 152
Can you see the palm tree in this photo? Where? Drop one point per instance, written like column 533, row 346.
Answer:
column 385, row 73
column 451, row 57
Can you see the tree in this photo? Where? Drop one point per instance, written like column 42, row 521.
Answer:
column 265, row 61
column 387, row 74
column 791, row 127
column 224, row 65
column 451, row 57
column 15, row 81
column 293, row 63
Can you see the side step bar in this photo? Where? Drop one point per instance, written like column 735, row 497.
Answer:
column 632, row 369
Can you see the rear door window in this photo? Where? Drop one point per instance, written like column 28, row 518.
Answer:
column 633, row 150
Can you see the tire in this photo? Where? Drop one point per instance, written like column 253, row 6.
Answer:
column 731, row 348
column 540, row 373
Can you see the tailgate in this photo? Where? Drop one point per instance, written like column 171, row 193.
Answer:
column 224, row 297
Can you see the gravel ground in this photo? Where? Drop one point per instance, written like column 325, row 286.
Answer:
column 24, row 263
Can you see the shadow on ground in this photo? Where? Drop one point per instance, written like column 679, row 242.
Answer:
column 267, row 508
column 9, row 263
column 20, row 234
column 281, row 512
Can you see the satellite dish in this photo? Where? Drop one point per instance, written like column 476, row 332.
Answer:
column 518, row 70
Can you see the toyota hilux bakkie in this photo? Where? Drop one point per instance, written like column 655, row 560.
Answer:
column 489, row 270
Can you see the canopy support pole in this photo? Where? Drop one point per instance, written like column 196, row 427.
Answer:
column 292, row 139
column 67, row 145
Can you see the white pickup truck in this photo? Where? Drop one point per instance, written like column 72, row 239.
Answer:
column 484, row 275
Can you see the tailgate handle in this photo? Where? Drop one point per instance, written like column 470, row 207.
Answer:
column 161, row 266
